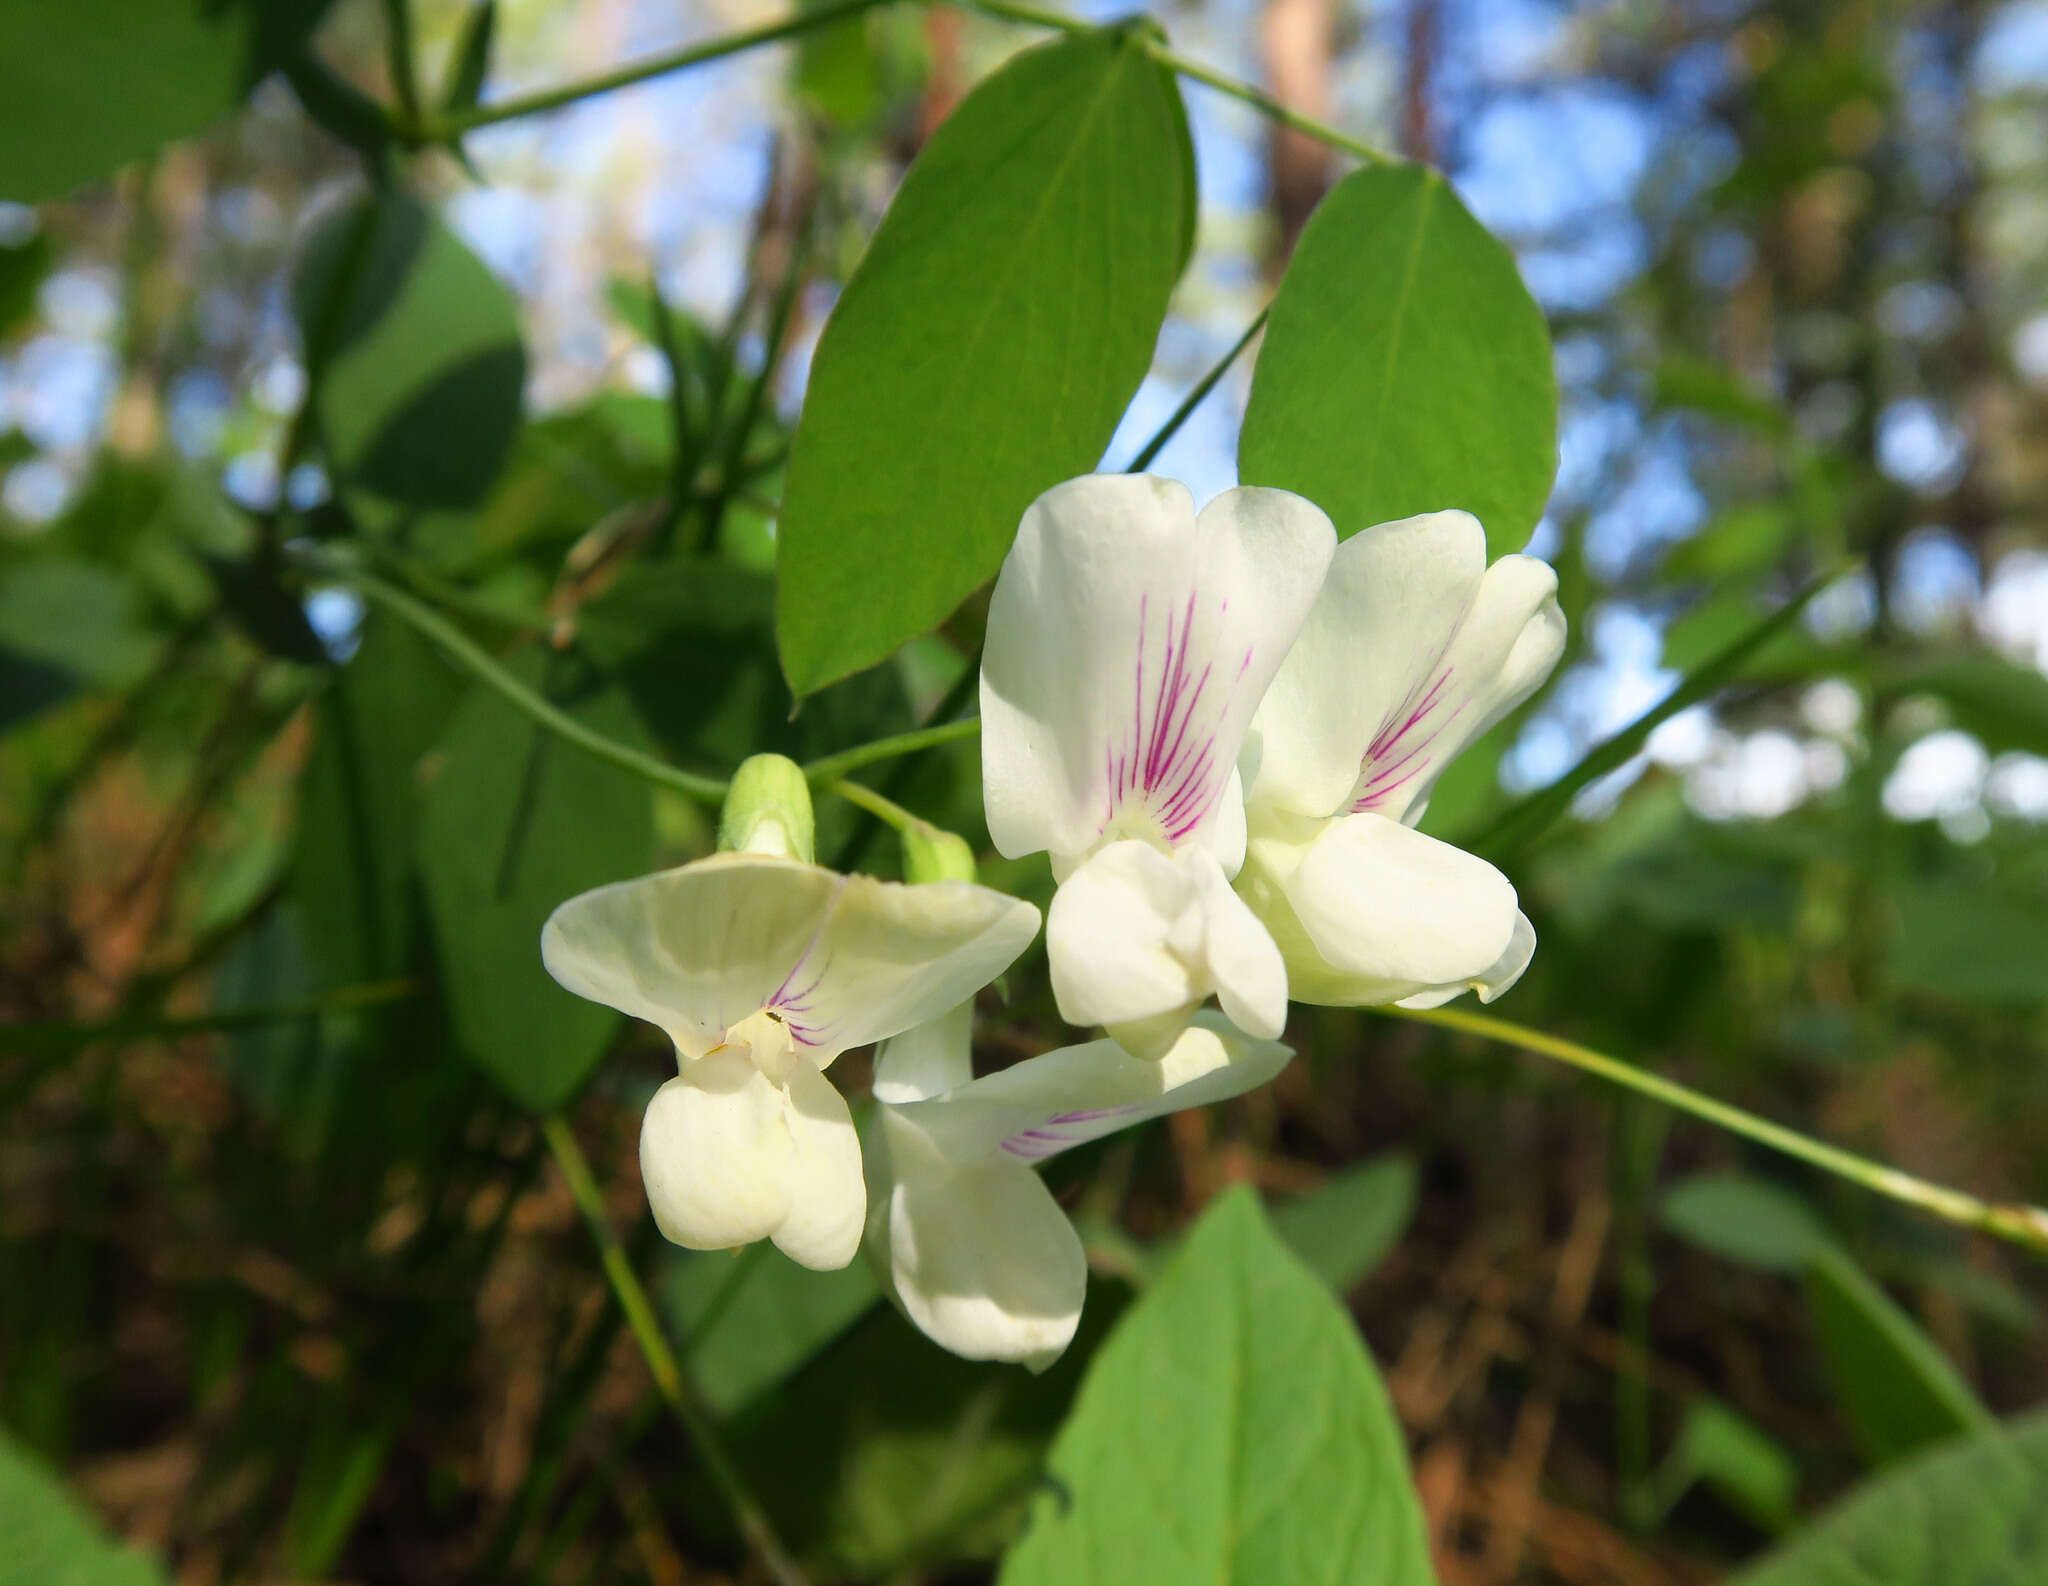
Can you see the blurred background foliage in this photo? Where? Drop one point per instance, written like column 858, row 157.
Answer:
column 286, row 1288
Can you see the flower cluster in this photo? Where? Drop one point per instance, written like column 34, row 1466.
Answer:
column 1222, row 728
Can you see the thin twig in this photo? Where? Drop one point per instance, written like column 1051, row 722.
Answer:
column 2026, row 1226
column 1203, row 387
column 456, row 645
column 675, row 1387
column 439, row 128
column 834, row 766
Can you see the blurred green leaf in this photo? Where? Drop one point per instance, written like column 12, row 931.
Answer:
column 352, row 874
column 1529, row 817
column 1683, row 381
column 885, row 1452
column 1971, row 1510
column 76, row 616
column 1745, row 1465
column 1965, row 941
column 1898, row 1389
column 92, row 84
column 514, row 821
column 1232, row 1428
column 48, row 1537
column 1749, row 1221
column 2003, row 704
column 22, row 268
column 774, row 1317
column 414, row 345
column 1405, row 368
column 1348, row 1226
column 1000, row 321
column 29, row 687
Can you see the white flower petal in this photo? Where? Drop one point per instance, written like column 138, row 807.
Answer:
column 980, row 1256
column 1046, row 1104
column 893, row 955
column 927, row 1059
column 1500, row 976
column 828, row 1199
column 694, row 949
column 1128, row 644
column 1108, row 937
column 1137, row 938
column 1242, row 960
column 716, row 1155
column 1381, row 900
column 1505, row 648
column 1394, row 597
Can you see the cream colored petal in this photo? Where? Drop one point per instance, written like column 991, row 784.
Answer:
column 716, row 1155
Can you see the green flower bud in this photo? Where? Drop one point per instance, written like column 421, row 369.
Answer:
column 930, row 854
column 768, row 810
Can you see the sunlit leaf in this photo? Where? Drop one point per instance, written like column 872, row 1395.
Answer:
column 1405, row 368
column 1971, row 1510
column 48, row 1537
column 415, row 354
column 1001, row 319
column 1231, row 1429
column 513, row 822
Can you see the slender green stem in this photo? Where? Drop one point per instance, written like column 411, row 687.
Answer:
column 457, row 646
column 670, row 1380
column 874, row 803
column 437, row 129
column 1268, row 106
column 2021, row 1225
column 1194, row 399
column 1208, row 76
column 834, row 766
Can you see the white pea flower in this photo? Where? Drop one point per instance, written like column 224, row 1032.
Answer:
column 1129, row 642
column 763, row 969
column 1415, row 648
column 965, row 1234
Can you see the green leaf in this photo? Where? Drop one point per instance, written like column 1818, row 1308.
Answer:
column 1898, row 1389
column 2003, row 704
column 1527, row 818
column 1968, row 943
column 1973, row 1511
column 470, row 59
column 1406, row 368
column 1745, row 1465
column 92, row 84
column 352, row 873
column 1347, row 1227
column 1683, row 381
column 514, row 821
column 1231, row 1429
column 1002, row 318
column 1749, row 1221
column 50, row 1539
column 75, row 616
column 775, row 1316
column 414, row 348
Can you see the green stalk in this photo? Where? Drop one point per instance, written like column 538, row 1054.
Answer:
column 676, row 1388
column 2026, row 1226
column 439, row 128
column 458, row 647
column 1203, row 387
column 834, row 766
